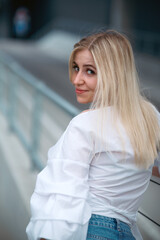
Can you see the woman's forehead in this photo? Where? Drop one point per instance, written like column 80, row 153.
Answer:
column 83, row 55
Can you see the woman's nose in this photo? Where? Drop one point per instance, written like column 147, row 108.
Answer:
column 78, row 79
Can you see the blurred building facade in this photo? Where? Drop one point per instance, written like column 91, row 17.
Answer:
column 140, row 18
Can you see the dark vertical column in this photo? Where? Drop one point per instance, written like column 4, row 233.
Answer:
column 121, row 14
column 43, row 14
column 5, row 18
column 116, row 15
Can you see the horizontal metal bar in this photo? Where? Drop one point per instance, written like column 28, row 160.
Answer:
column 149, row 218
column 154, row 182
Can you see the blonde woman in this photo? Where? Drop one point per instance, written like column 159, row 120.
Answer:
column 98, row 171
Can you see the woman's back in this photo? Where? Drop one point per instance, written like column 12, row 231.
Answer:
column 116, row 183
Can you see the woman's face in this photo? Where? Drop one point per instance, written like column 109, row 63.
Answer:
column 84, row 76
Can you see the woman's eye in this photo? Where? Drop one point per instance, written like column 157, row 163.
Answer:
column 89, row 71
column 76, row 68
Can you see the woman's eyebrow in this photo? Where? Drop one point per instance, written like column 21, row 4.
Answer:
column 89, row 65
column 85, row 65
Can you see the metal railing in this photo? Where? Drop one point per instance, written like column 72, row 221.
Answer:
column 35, row 113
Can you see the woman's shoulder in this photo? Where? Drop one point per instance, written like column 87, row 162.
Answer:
column 87, row 116
column 83, row 122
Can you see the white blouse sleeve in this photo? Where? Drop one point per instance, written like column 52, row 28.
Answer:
column 59, row 204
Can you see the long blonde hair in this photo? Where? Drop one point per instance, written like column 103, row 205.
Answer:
column 117, row 85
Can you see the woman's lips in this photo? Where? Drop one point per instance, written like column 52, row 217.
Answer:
column 79, row 91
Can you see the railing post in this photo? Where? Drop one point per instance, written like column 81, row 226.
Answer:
column 12, row 102
column 36, row 126
column 2, row 88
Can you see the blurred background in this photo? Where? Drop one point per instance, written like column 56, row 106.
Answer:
column 37, row 101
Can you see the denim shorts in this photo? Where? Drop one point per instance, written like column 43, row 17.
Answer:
column 106, row 228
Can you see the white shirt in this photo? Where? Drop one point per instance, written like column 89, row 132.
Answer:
column 86, row 175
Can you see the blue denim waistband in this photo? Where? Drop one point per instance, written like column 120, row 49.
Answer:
column 102, row 228
column 102, row 220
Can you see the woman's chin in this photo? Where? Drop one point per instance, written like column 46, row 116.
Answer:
column 83, row 101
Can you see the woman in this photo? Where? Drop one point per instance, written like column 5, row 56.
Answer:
column 99, row 169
